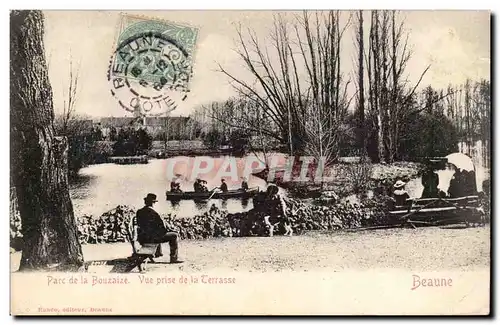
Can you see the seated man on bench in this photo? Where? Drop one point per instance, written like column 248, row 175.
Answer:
column 152, row 230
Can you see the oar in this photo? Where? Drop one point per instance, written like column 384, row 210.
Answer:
column 213, row 192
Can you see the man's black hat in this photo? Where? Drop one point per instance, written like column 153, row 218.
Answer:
column 150, row 197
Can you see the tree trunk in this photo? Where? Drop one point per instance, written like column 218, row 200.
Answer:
column 379, row 86
column 38, row 158
column 361, row 83
column 384, row 106
column 394, row 104
column 290, row 138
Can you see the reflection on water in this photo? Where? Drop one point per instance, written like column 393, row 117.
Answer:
column 100, row 188
column 79, row 185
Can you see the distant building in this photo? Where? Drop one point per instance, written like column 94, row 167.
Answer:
column 108, row 123
column 177, row 125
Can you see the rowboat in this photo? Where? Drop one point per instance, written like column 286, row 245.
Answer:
column 129, row 160
column 232, row 194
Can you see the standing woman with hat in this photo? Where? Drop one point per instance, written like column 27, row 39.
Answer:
column 400, row 195
column 151, row 228
column 430, row 181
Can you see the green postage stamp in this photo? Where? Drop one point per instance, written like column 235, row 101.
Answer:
column 152, row 64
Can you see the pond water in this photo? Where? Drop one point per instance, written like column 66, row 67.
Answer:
column 101, row 188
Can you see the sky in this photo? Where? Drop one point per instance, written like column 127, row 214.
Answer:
column 455, row 43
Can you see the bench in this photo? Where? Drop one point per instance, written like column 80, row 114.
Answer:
column 141, row 253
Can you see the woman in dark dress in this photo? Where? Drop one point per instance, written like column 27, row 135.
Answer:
column 430, row 181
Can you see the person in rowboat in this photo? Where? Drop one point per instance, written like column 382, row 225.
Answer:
column 204, row 187
column 175, row 186
column 199, row 186
column 244, row 184
column 223, row 186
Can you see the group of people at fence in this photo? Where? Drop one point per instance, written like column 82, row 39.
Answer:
column 462, row 184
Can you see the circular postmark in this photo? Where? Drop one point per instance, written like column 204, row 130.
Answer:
column 149, row 73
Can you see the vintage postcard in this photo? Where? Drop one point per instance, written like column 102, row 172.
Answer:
column 250, row 162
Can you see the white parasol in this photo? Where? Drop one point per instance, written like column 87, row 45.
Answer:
column 461, row 161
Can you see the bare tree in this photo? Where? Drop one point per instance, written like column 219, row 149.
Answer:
column 327, row 100
column 262, row 143
column 272, row 91
column 484, row 103
column 389, row 91
column 240, row 113
column 38, row 158
column 359, row 41
column 68, row 115
column 286, row 96
column 469, row 107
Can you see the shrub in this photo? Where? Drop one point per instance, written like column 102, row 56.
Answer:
column 132, row 142
column 102, row 150
column 240, row 142
column 360, row 174
column 213, row 139
column 430, row 134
